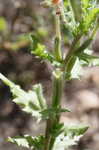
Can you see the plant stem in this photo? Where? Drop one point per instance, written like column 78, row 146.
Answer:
column 57, row 88
column 58, row 53
column 56, row 103
column 56, row 100
column 47, row 134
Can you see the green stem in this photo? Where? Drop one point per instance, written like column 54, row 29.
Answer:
column 57, row 86
column 47, row 134
column 58, row 53
column 56, row 102
column 56, row 99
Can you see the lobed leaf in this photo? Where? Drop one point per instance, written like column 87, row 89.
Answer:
column 39, row 50
column 75, row 130
column 86, row 4
column 90, row 18
column 27, row 141
column 70, row 136
column 29, row 101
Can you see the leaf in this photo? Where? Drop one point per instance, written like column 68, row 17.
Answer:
column 70, row 136
column 90, row 18
column 86, row 4
column 20, row 141
column 64, row 142
column 34, row 41
column 29, row 101
column 65, row 3
column 28, row 141
column 38, row 89
column 87, row 58
column 39, row 50
column 73, row 69
column 57, row 129
column 83, row 46
column 75, row 130
column 52, row 112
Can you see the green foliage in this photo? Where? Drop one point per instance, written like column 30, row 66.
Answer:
column 39, row 50
column 57, row 129
column 78, row 28
column 75, row 130
column 79, row 31
column 73, row 68
column 69, row 137
column 27, row 141
column 83, row 23
column 31, row 102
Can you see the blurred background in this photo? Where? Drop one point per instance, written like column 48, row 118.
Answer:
column 18, row 18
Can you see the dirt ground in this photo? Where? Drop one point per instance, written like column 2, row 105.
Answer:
column 80, row 96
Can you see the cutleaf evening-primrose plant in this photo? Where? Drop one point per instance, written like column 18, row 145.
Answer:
column 79, row 19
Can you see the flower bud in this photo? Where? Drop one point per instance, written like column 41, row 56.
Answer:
column 56, row 1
